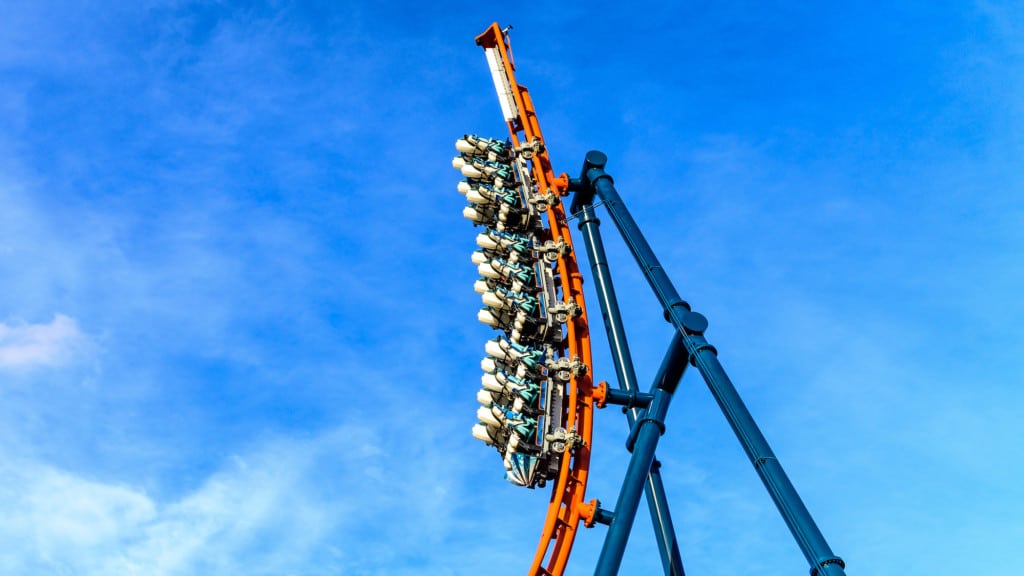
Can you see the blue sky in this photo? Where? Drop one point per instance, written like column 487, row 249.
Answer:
column 237, row 327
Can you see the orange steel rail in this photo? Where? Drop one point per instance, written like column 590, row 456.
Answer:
column 567, row 507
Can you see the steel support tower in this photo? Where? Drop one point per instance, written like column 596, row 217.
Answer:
column 688, row 346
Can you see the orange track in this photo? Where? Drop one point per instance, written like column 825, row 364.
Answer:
column 567, row 508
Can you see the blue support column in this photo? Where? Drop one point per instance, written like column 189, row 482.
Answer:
column 626, row 374
column 643, row 441
column 691, row 326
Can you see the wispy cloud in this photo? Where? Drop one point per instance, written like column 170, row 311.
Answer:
column 354, row 499
column 25, row 346
column 269, row 511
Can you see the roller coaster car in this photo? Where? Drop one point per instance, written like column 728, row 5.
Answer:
column 522, row 402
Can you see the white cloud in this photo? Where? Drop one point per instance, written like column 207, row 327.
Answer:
column 336, row 503
column 53, row 517
column 70, row 512
column 31, row 345
column 265, row 511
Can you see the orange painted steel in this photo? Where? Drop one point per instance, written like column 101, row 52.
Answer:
column 567, row 507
